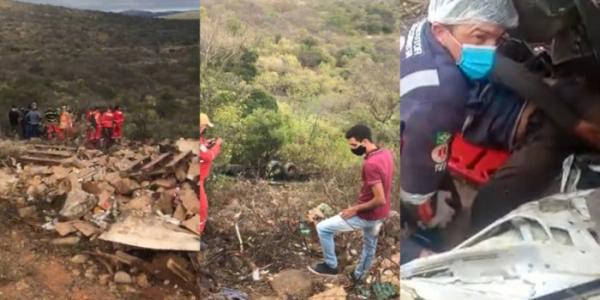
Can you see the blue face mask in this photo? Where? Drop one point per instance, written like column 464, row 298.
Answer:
column 476, row 61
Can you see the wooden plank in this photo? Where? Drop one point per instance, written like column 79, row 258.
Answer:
column 148, row 175
column 61, row 147
column 177, row 159
column 138, row 164
column 50, row 153
column 41, row 160
column 156, row 162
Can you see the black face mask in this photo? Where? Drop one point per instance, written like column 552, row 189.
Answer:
column 360, row 150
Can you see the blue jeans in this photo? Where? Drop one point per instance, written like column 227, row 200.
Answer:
column 32, row 131
column 329, row 227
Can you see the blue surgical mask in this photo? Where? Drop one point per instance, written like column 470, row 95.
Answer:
column 476, row 61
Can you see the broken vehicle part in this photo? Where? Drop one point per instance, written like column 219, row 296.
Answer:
column 536, row 250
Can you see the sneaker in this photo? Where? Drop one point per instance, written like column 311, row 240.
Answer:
column 355, row 280
column 324, row 270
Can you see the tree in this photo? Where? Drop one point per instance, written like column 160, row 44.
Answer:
column 167, row 106
column 218, row 46
column 378, row 19
column 259, row 99
column 375, row 86
column 244, row 65
column 263, row 135
column 312, row 56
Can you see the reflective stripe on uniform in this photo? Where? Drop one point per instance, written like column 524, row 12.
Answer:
column 419, row 79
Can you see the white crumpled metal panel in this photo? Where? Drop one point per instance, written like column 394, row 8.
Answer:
column 540, row 248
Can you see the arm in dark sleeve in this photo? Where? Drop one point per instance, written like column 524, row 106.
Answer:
column 532, row 88
column 425, row 149
column 409, row 250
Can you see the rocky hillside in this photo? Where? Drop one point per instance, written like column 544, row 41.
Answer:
column 55, row 55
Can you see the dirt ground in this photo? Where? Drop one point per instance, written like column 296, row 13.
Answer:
column 30, row 268
column 268, row 217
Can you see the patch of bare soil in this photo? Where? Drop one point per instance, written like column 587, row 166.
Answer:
column 253, row 235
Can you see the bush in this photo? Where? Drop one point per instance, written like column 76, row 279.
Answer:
column 258, row 98
column 263, row 136
column 316, row 146
column 228, row 125
column 378, row 19
column 244, row 66
column 312, row 57
column 143, row 124
column 341, row 22
column 167, row 106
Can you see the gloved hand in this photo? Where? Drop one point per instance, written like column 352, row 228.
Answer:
column 443, row 211
column 434, row 212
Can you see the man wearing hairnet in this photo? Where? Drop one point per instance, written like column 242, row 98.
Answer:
column 450, row 73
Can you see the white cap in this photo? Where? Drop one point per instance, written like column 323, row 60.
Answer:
column 452, row 12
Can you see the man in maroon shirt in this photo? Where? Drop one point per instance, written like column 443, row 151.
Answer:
column 372, row 207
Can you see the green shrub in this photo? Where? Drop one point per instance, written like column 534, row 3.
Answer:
column 378, row 19
column 263, row 135
column 258, row 98
column 312, row 57
column 244, row 66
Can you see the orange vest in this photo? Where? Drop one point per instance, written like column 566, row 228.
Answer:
column 65, row 120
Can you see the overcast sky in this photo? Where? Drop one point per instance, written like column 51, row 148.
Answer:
column 118, row 5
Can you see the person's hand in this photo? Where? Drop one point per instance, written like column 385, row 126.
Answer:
column 218, row 142
column 589, row 132
column 443, row 211
column 349, row 212
column 425, row 253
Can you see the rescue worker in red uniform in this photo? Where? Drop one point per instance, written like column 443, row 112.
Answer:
column 107, row 123
column 119, row 120
column 209, row 150
column 98, row 125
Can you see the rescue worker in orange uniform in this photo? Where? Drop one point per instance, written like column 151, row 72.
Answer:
column 119, row 120
column 51, row 120
column 66, row 123
column 107, row 123
column 209, row 150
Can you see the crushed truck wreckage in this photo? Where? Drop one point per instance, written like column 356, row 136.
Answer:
column 123, row 206
column 541, row 248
